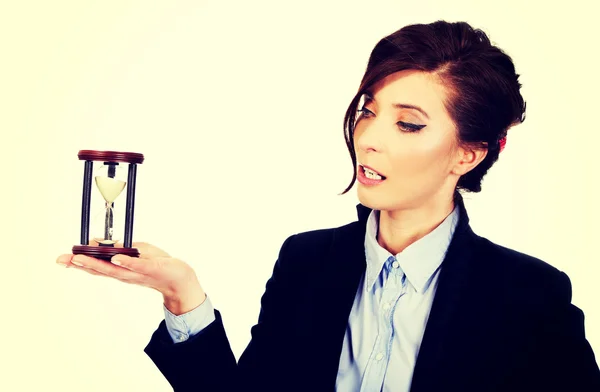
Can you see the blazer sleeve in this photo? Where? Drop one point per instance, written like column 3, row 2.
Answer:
column 567, row 360
column 206, row 362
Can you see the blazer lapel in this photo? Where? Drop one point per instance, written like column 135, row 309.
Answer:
column 333, row 297
column 451, row 320
column 334, row 293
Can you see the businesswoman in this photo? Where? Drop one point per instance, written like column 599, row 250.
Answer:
column 407, row 297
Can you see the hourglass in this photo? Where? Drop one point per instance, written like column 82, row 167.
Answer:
column 111, row 178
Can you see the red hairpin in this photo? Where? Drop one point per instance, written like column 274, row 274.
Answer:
column 502, row 143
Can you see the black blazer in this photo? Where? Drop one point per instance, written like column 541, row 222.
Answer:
column 500, row 321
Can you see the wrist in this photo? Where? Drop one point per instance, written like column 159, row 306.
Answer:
column 179, row 305
column 182, row 300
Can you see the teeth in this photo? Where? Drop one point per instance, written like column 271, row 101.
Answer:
column 371, row 174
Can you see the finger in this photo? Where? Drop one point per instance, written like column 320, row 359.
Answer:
column 144, row 266
column 64, row 259
column 106, row 269
column 96, row 273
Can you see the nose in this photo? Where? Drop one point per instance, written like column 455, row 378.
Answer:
column 367, row 137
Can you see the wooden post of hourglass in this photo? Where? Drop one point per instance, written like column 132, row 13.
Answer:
column 111, row 158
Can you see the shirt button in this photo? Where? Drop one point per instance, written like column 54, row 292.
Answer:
column 395, row 264
column 379, row 357
column 181, row 338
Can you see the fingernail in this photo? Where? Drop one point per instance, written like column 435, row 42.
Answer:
column 77, row 263
column 115, row 261
column 61, row 264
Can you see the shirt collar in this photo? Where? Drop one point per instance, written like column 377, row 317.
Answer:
column 418, row 261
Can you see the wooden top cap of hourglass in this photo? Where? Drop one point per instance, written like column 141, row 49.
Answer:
column 110, row 156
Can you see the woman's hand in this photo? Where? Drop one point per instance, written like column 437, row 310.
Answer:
column 154, row 268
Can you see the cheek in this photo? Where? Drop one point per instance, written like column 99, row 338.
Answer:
column 357, row 135
column 422, row 157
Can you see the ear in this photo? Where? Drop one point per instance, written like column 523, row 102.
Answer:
column 468, row 158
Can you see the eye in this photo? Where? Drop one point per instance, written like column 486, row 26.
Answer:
column 408, row 127
column 364, row 112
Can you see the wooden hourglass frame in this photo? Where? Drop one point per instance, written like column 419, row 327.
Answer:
column 111, row 158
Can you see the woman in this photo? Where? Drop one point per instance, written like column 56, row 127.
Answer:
column 407, row 297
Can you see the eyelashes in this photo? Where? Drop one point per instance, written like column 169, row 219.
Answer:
column 408, row 127
column 403, row 126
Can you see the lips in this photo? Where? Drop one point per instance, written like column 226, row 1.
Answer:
column 373, row 170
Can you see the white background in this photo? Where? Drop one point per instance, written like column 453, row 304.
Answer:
column 238, row 108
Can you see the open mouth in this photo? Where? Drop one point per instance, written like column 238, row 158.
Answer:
column 371, row 174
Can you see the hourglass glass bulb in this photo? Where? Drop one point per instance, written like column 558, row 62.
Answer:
column 110, row 188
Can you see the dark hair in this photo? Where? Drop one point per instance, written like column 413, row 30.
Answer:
column 484, row 98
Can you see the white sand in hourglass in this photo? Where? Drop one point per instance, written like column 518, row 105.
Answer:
column 110, row 189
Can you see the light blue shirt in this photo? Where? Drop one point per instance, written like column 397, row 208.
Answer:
column 189, row 324
column 390, row 311
column 388, row 318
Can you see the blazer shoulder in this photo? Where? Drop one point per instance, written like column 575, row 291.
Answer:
column 525, row 273
column 320, row 240
column 310, row 247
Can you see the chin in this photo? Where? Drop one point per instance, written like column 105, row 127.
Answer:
column 372, row 200
column 384, row 201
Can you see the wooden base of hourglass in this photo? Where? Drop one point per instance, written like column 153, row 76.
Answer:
column 104, row 252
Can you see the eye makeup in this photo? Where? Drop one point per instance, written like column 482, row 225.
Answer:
column 402, row 125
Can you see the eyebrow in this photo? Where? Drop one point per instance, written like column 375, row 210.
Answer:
column 369, row 97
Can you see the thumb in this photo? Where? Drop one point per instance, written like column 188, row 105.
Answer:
column 134, row 264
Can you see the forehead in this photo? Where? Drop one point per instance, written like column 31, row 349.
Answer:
column 414, row 88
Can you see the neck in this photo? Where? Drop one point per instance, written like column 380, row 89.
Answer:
column 400, row 228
